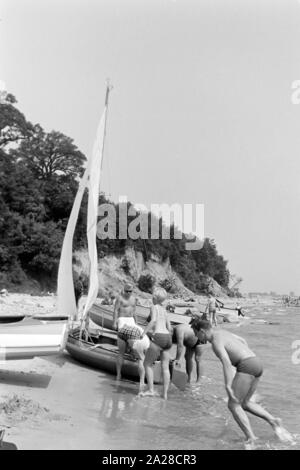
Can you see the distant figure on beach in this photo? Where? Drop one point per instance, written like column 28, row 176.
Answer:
column 183, row 335
column 124, row 311
column 211, row 309
column 160, row 333
column 132, row 338
column 239, row 310
column 232, row 350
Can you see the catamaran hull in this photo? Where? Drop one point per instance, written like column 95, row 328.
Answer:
column 28, row 339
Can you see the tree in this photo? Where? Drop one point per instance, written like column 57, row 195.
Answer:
column 209, row 262
column 50, row 154
column 13, row 124
column 20, row 191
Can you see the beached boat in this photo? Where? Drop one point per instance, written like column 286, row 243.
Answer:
column 30, row 338
column 224, row 315
column 230, row 315
column 102, row 315
column 100, row 350
column 11, row 318
column 50, row 317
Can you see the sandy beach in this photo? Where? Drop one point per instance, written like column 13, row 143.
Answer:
column 42, row 402
column 57, row 403
column 44, row 406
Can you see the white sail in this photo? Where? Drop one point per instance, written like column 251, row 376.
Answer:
column 65, row 286
column 91, row 180
column 94, row 187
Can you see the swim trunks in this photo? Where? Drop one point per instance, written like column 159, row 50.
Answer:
column 251, row 366
column 163, row 340
column 125, row 321
column 130, row 332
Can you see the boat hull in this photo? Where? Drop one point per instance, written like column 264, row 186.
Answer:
column 11, row 318
column 103, row 355
column 29, row 338
column 102, row 315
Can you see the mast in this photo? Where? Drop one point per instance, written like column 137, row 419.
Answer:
column 109, row 87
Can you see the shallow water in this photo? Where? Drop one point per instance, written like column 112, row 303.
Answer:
column 198, row 418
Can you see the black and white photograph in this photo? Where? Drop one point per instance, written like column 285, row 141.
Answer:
column 149, row 227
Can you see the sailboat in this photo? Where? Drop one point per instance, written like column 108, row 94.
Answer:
column 98, row 347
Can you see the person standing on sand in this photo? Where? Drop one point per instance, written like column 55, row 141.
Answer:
column 125, row 306
column 211, row 308
column 160, row 345
column 183, row 335
column 232, row 350
column 133, row 338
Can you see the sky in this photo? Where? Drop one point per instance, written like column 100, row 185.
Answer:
column 200, row 111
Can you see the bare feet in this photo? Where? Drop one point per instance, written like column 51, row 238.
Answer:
column 149, row 393
column 282, row 433
column 250, row 444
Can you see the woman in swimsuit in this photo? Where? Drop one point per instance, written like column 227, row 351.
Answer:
column 161, row 343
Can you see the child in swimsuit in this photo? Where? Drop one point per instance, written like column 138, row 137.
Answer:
column 161, row 342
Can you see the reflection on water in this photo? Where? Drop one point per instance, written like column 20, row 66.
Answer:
column 198, row 418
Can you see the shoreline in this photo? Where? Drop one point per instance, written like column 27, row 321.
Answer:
column 44, row 406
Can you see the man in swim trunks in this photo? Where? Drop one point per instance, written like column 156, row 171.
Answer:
column 183, row 335
column 124, row 311
column 211, row 307
column 133, row 338
column 159, row 330
column 232, row 350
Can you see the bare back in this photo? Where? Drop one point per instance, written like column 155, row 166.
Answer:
column 185, row 334
column 159, row 316
column 235, row 346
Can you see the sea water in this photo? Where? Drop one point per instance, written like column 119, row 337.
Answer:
column 198, row 418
